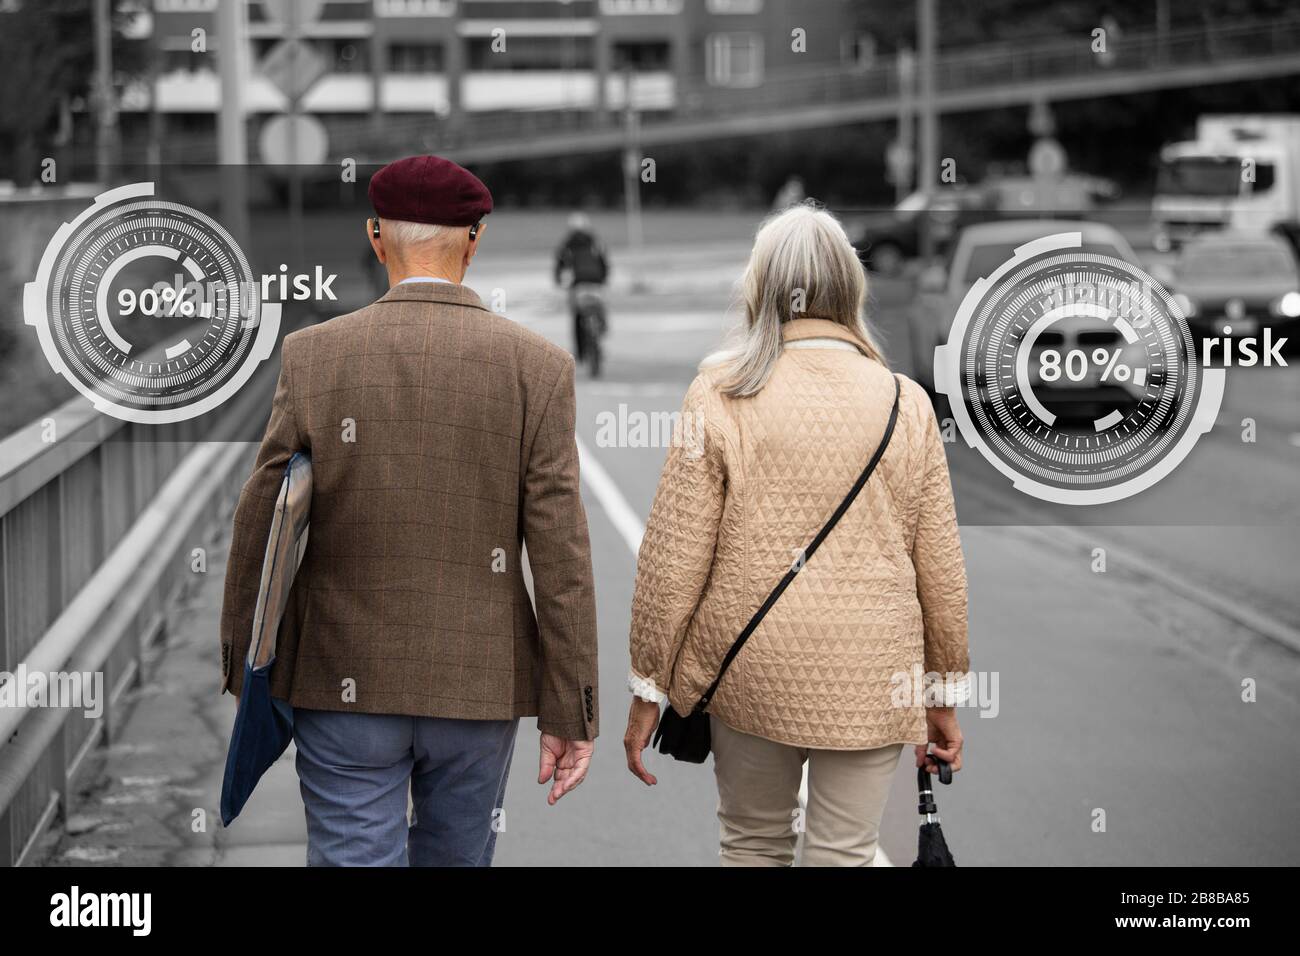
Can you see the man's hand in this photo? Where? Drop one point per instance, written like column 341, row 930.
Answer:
column 565, row 763
column 942, row 731
column 641, row 722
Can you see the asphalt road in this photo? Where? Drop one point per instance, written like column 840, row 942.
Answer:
column 1117, row 694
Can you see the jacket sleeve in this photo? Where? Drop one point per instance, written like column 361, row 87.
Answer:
column 559, row 554
column 253, row 517
column 940, row 573
column 677, row 550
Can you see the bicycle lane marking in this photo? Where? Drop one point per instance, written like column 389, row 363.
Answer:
column 620, row 514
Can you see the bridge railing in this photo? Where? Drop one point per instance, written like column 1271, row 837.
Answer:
column 1145, row 51
column 984, row 66
column 98, row 519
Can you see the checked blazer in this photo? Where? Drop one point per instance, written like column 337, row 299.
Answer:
column 442, row 444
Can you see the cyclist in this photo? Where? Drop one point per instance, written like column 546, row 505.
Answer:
column 580, row 261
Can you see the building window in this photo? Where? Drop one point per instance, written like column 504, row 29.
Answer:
column 532, row 53
column 348, row 56
column 526, row 9
column 414, row 8
column 415, row 58
column 184, row 6
column 735, row 6
column 614, row 8
column 734, row 59
column 858, row 49
column 642, row 56
column 342, row 54
column 184, row 61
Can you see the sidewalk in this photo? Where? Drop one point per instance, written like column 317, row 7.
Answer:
column 153, row 798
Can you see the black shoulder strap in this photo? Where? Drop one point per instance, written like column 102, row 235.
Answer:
column 807, row 555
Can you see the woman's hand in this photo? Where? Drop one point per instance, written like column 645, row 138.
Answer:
column 943, row 732
column 641, row 722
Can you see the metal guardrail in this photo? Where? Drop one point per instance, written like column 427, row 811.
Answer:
column 96, row 528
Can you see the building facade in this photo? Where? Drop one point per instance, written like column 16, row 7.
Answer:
column 407, row 59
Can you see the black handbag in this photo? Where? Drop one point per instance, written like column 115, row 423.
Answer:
column 689, row 738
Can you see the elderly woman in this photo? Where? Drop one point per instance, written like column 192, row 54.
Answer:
column 773, row 435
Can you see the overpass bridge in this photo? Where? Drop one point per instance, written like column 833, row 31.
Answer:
column 975, row 78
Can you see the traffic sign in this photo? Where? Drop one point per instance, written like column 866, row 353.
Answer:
column 298, row 140
column 294, row 67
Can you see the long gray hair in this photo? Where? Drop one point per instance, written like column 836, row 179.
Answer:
column 802, row 266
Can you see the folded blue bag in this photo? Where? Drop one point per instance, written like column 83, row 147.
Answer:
column 264, row 724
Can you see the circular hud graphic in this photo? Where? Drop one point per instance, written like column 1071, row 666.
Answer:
column 1074, row 374
column 149, row 308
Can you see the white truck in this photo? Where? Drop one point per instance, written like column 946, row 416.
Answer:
column 1242, row 172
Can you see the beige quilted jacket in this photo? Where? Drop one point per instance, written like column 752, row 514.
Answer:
column 873, row 623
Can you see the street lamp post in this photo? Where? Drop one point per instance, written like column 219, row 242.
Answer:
column 105, row 106
column 631, row 166
column 929, row 155
column 232, row 146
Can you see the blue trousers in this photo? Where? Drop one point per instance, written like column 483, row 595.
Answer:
column 354, row 771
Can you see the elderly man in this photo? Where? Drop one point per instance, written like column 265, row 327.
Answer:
column 442, row 441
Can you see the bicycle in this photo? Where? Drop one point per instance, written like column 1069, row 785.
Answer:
column 591, row 323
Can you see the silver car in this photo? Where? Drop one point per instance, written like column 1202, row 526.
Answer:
column 1245, row 282
column 979, row 251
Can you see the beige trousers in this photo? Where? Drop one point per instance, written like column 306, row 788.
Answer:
column 758, row 800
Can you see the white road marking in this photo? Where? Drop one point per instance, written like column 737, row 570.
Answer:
column 621, row 514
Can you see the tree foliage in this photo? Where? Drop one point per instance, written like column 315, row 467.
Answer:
column 47, row 48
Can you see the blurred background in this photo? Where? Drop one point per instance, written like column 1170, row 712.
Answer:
column 942, row 134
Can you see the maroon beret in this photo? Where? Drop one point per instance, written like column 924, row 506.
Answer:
column 429, row 189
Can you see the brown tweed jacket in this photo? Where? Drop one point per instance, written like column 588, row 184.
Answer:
column 442, row 439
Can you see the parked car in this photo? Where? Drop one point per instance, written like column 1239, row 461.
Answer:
column 1244, row 281
column 887, row 239
column 978, row 251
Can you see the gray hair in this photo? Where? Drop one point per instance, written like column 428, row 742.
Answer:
column 802, row 265
column 406, row 235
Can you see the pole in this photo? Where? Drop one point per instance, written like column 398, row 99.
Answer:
column 906, row 125
column 631, row 166
column 295, row 172
column 153, row 151
column 232, row 145
column 378, row 67
column 928, row 166
column 1162, row 30
column 106, row 108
